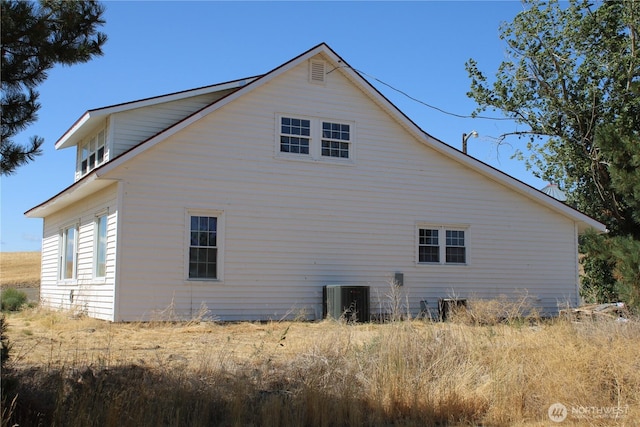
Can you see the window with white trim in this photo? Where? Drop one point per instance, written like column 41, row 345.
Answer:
column 455, row 249
column 433, row 249
column 428, row 245
column 92, row 152
column 203, row 247
column 336, row 140
column 315, row 139
column 295, row 135
column 100, row 260
column 68, row 252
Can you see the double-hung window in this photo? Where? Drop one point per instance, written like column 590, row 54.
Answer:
column 428, row 245
column 295, row 135
column 441, row 244
column 455, row 249
column 68, row 253
column 203, row 247
column 336, row 140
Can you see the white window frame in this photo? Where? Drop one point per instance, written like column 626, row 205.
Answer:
column 64, row 239
column 281, row 134
column 315, row 139
column 97, row 242
column 335, row 136
column 91, row 147
column 219, row 215
column 442, row 243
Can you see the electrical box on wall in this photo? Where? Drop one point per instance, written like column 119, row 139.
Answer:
column 398, row 278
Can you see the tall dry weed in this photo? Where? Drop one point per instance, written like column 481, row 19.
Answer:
column 324, row 374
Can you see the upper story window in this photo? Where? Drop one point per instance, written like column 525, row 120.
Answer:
column 315, row 139
column 295, row 135
column 92, row 152
column 336, row 140
column 433, row 249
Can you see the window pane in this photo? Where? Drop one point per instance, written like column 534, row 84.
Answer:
column 456, row 255
column 335, row 131
column 291, row 144
column 203, row 239
column 455, row 237
column 428, row 237
column 69, row 251
column 101, row 246
column 429, row 254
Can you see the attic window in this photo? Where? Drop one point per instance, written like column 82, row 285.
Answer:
column 295, row 135
column 92, row 153
column 317, row 72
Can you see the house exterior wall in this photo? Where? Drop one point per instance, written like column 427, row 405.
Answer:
column 134, row 126
column 288, row 227
column 85, row 293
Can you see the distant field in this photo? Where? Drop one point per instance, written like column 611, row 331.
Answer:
column 20, row 269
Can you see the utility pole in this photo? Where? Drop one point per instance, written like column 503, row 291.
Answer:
column 465, row 138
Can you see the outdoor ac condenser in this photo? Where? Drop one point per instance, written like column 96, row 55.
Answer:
column 346, row 301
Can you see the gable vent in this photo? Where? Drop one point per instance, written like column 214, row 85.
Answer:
column 317, row 71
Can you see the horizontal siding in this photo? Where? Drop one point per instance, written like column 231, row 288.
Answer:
column 293, row 226
column 134, row 126
column 93, row 296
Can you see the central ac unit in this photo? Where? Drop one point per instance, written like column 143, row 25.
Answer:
column 346, row 301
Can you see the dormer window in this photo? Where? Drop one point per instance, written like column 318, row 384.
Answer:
column 92, row 153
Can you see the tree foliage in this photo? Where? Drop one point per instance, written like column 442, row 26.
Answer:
column 36, row 37
column 571, row 83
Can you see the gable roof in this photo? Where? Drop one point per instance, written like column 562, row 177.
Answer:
column 70, row 194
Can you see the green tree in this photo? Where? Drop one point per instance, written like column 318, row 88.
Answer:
column 36, row 37
column 572, row 86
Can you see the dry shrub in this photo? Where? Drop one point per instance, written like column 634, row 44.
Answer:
column 491, row 312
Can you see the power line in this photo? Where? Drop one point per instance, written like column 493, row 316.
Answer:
column 461, row 116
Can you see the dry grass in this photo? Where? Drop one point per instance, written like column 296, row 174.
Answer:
column 81, row 371
column 20, row 269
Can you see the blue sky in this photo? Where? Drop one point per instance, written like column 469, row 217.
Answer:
column 156, row 48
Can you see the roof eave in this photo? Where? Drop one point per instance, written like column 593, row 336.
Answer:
column 72, row 194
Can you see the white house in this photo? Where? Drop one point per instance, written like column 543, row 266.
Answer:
column 247, row 197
